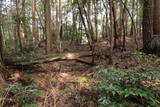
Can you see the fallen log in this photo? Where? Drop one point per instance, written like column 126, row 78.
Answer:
column 48, row 58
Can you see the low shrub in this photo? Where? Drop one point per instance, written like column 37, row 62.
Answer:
column 24, row 94
column 121, row 88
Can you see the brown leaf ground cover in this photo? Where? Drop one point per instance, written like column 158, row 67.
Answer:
column 72, row 84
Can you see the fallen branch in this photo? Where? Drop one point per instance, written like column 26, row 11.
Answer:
column 49, row 58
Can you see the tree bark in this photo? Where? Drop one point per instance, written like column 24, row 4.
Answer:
column 132, row 27
column 2, row 70
column 34, row 25
column 147, row 24
column 18, row 21
column 112, row 33
column 156, row 17
column 47, row 15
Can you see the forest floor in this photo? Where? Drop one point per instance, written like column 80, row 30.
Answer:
column 71, row 83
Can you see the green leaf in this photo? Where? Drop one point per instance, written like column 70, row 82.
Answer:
column 81, row 79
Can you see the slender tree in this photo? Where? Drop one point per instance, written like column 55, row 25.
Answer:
column 47, row 15
column 112, row 32
column 2, row 73
column 34, row 25
column 2, row 69
column 18, row 22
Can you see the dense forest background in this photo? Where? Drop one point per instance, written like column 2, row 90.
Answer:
column 79, row 53
column 30, row 22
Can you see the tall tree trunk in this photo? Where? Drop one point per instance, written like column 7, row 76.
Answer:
column 147, row 24
column 132, row 27
column 34, row 26
column 114, row 23
column 156, row 16
column 124, row 23
column 95, row 3
column 41, row 24
column 74, row 24
column 58, row 24
column 2, row 70
column 112, row 32
column 23, row 25
column 47, row 15
column 18, row 21
column 106, row 29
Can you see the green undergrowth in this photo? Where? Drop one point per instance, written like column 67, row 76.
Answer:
column 124, row 88
column 25, row 96
column 144, row 55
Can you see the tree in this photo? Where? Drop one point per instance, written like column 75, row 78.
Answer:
column 18, row 22
column 34, row 25
column 2, row 73
column 47, row 16
column 151, row 25
column 147, row 24
column 58, row 26
column 156, row 17
column 112, row 32
column 155, row 40
column 2, row 81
